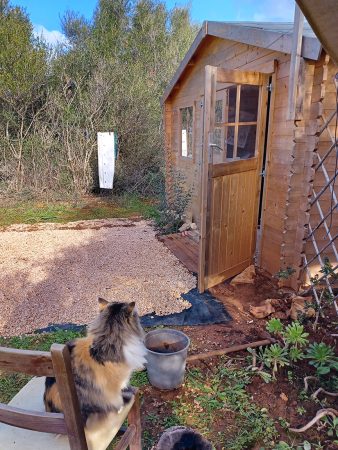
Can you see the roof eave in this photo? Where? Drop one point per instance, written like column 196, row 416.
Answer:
column 194, row 46
column 277, row 41
column 280, row 42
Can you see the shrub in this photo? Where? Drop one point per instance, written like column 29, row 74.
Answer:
column 322, row 357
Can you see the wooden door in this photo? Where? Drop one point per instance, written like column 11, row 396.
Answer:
column 233, row 138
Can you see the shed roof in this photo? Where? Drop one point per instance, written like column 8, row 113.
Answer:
column 272, row 35
column 323, row 17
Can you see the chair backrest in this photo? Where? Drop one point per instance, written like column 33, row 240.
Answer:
column 55, row 363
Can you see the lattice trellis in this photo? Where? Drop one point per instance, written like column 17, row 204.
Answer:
column 320, row 248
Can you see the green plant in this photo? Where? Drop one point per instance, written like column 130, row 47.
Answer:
column 301, row 410
column 282, row 445
column 324, row 296
column 274, row 326
column 207, row 398
column 332, row 427
column 173, row 204
column 322, row 357
column 284, row 274
column 274, row 357
column 283, row 423
column 291, row 377
column 296, row 354
column 294, row 335
column 139, row 379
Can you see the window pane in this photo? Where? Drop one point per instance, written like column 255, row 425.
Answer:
column 186, row 131
column 229, row 141
column 248, row 107
column 219, row 111
column 230, row 95
column 217, row 138
column 246, row 144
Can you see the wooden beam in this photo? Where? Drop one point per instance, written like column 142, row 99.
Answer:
column 224, row 351
column 32, row 420
column 126, row 438
column 68, row 397
column 270, row 36
column 206, row 167
column 186, row 60
column 240, row 77
column 295, row 61
column 322, row 16
column 134, row 420
column 228, row 168
column 26, row 361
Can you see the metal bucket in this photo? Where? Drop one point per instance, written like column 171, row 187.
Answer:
column 166, row 357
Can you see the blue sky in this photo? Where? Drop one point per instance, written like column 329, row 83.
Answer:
column 45, row 15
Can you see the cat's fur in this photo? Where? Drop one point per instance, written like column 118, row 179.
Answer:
column 102, row 363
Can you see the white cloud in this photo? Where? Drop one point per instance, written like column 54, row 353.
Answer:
column 51, row 37
column 269, row 11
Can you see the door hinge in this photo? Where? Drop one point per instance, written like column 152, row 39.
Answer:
column 269, row 87
column 262, row 174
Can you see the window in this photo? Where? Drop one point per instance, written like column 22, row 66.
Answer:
column 187, row 131
column 235, row 122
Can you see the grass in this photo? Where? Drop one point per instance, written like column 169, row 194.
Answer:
column 87, row 209
column 217, row 404
column 222, row 394
column 10, row 384
column 214, row 402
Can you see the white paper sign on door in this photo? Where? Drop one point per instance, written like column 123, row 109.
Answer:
column 106, row 159
column 184, row 143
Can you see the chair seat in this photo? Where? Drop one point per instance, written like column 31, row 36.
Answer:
column 31, row 397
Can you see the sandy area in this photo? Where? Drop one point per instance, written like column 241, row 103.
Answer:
column 54, row 273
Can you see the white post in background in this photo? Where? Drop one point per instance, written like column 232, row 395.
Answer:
column 296, row 53
column 106, row 159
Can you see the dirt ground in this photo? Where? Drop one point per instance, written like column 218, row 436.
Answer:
column 54, row 273
column 282, row 398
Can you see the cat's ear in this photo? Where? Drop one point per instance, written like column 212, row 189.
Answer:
column 130, row 307
column 102, row 303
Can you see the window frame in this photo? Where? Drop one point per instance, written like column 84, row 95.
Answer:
column 180, row 108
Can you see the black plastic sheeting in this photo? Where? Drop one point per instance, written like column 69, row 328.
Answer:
column 204, row 310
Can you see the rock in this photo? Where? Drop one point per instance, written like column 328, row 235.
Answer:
column 284, row 397
column 310, row 312
column 185, row 227
column 298, row 306
column 286, row 291
column 260, row 312
column 193, row 226
column 245, row 277
column 280, row 315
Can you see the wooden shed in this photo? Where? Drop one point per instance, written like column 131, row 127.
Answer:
column 250, row 119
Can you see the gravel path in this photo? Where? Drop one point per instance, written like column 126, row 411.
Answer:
column 54, row 273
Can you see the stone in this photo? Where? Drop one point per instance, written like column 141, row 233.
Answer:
column 298, row 306
column 262, row 311
column 185, row 227
column 193, row 226
column 245, row 277
column 284, row 397
column 286, row 291
column 280, row 315
column 310, row 312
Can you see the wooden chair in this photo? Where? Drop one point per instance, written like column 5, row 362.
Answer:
column 55, row 363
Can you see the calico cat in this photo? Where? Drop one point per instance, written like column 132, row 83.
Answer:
column 102, row 363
